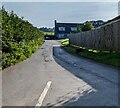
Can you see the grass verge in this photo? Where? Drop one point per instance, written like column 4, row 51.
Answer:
column 48, row 33
column 111, row 58
column 64, row 41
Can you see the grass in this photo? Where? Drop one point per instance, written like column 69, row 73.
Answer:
column 64, row 41
column 48, row 33
column 111, row 58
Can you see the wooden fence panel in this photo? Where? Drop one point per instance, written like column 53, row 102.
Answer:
column 106, row 37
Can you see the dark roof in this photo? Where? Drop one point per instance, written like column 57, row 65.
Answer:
column 58, row 23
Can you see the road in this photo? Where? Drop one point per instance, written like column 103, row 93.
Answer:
column 74, row 81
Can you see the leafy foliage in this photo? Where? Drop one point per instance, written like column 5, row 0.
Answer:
column 19, row 38
column 79, row 28
column 87, row 26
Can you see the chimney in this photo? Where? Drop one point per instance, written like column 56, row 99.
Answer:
column 55, row 27
column 55, row 22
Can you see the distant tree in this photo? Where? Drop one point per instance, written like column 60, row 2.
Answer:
column 79, row 28
column 87, row 26
column 45, row 29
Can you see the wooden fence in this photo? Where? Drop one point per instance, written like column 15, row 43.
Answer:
column 105, row 38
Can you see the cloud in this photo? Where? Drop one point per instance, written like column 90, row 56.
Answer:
column 44, row 13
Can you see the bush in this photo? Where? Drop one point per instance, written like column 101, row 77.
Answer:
column 19, row 38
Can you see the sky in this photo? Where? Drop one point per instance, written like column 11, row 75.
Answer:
column 43, row 14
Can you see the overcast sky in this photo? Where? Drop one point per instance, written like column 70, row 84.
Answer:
column 44, row 13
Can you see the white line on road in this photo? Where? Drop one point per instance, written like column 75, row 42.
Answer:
column 42, row 96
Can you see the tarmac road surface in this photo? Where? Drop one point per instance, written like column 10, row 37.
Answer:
column 74, row 81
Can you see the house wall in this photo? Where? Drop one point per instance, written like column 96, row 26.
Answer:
column 106, row 37
column 64, row 34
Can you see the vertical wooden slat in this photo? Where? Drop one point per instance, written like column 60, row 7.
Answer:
column 104, row 38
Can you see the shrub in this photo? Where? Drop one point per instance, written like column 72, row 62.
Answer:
column 19, row 38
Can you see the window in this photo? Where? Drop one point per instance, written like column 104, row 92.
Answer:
column 61, row 35
column 61, row 28
column 73, row 28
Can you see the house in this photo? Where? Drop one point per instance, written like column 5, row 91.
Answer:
column 97, row 23
column 63, row 29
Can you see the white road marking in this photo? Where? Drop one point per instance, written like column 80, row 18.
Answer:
column 42, row 96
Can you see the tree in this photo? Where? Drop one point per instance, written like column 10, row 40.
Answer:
column 79, row 28
column 87, row 26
